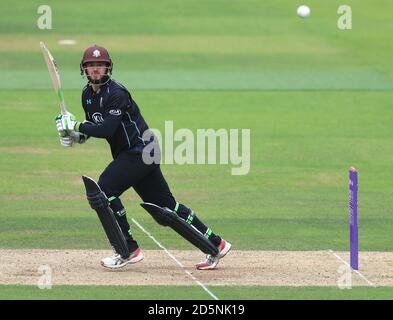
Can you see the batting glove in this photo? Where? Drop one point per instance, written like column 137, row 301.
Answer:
column 67, row 122
column 78, row 137
column 59, row 126
column 66, row 141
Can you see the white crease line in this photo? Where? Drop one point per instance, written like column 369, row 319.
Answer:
column 356, row 271
column 177, row 261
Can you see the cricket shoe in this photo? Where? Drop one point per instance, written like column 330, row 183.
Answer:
column 116, row 261
column 212, row 261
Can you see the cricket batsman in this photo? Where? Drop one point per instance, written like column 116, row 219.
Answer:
column 112, row 114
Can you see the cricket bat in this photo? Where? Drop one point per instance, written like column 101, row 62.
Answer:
column 54, row 73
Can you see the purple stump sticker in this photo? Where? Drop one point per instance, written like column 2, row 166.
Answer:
column 353, row 217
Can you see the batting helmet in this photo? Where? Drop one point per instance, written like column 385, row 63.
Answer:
column 97, row 54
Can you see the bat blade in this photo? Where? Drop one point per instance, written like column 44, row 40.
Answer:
column 55, row 75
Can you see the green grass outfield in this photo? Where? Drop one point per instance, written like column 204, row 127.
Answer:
column 294, row 198
column 317, row 100
column 192, row 293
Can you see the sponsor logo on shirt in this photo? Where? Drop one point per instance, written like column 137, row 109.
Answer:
column 97, row 117
column 115, row 112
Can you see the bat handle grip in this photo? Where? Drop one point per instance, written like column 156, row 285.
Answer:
column 63, row 109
